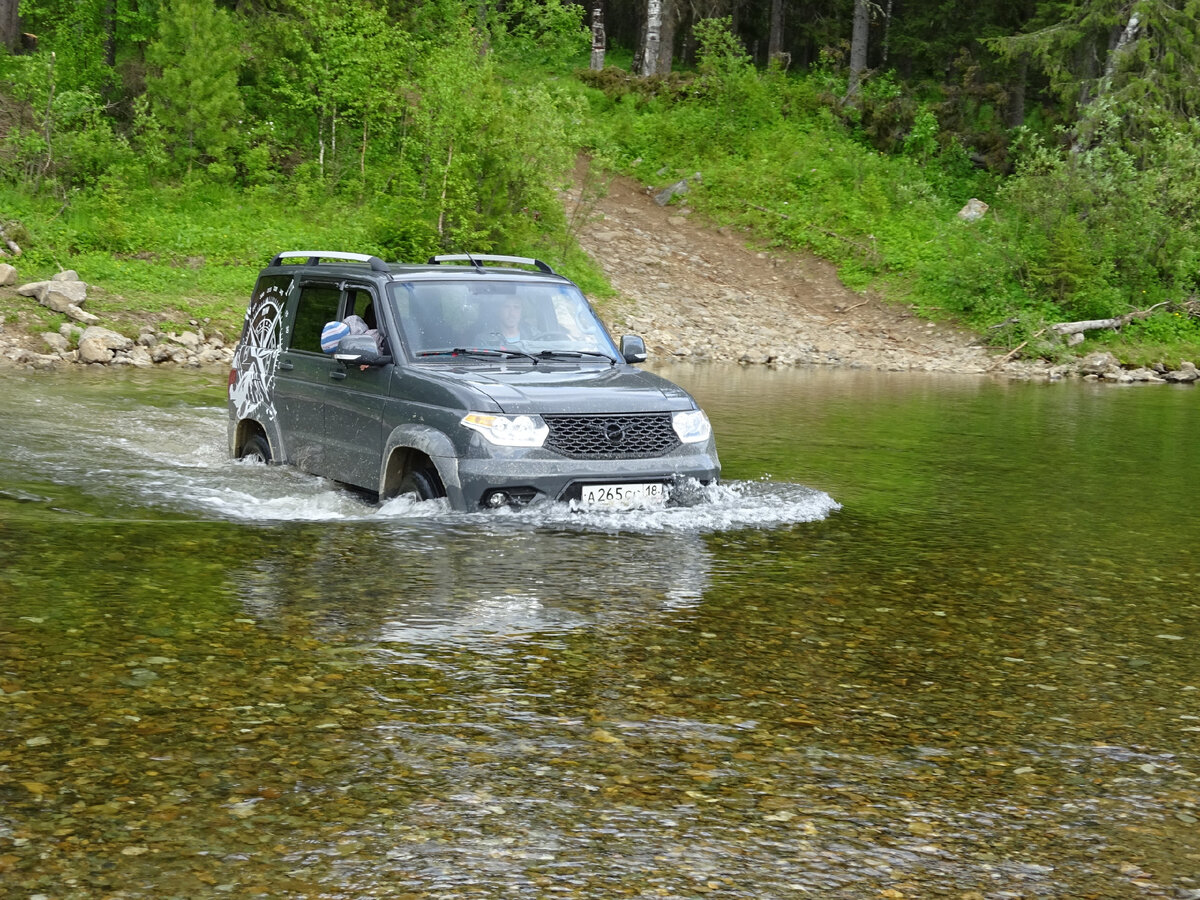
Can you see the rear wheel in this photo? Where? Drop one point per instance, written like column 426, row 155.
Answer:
column 256, row 448
column 421, row 483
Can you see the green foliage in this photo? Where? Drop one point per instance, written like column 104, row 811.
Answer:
column 736, row 97
column 549, row 33
column 921, row 143
column 59, row 139
column 194, row 92
column 333, row 81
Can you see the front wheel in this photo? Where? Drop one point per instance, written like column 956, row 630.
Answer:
column 256, row 449
column 421, row 484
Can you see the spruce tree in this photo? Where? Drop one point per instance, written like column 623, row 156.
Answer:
column 195, row 90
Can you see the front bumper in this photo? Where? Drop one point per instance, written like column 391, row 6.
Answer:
column 470, row 482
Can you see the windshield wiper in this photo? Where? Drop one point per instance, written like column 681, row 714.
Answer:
column 575, row 354
column 481, row 353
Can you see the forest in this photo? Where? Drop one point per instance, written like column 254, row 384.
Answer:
column 169, row 147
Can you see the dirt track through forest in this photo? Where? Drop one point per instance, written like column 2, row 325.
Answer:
column 696, row 291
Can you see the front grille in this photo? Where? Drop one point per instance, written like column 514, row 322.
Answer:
column 636, row 436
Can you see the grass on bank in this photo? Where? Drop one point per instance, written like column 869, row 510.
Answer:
column 174, row 254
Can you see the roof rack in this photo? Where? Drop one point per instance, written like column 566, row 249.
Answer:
column 315, row 258
column 476, row 258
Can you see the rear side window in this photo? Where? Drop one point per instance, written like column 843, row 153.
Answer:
column 318, row 304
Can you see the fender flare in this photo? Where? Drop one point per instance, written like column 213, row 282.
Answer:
column 434, row 444
column 238, row 432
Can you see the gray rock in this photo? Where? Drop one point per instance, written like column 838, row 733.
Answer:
column 678, row 189
column 80, row 315
column 92, row 350
column 59, row 295
column 1148, row 376
column 111, row 340
column 8, row 274
column 188, row 339
column 1098, row 364
column 973, row 211
column 56, row 342
column 66, row 275
column 140, row 357
column 71, row 332
column 33, row 289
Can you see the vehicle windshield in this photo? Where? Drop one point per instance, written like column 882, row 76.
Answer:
column 525, row 318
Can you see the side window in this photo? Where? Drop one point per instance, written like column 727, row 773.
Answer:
column 317, row 305
column 359, row 302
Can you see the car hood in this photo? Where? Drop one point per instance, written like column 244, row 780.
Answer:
column 584, row 389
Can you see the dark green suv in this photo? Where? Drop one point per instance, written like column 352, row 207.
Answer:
column 487, row 380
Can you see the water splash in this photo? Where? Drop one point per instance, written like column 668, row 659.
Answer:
column 173, row 460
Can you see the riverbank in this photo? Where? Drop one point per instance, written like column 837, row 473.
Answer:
column 699, row 293
column 695, row 292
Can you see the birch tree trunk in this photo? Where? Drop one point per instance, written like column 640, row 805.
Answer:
column 858, row 48
column 599, row 42
column 653, row 38
column 1124, row 45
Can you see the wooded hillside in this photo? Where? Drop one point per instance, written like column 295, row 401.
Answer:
column 852, row 127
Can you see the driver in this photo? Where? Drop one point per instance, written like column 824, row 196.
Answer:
column 510, row 332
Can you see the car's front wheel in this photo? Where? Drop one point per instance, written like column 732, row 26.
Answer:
column 421, row 483
column 256, row 448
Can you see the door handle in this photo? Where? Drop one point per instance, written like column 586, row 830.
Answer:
column 337, row 375
column 286, row 366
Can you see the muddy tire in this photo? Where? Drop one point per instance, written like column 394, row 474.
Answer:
column 256, row 448
column 420, row 484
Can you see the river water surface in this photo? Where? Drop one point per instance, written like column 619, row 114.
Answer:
column 933, row 637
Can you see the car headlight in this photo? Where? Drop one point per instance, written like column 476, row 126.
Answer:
column 691, row 425
column 508, row 431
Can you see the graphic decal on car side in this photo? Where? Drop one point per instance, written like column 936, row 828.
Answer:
column 257, row 355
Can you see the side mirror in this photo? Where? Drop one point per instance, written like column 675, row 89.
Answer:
column 360, row 350
column 633, row 348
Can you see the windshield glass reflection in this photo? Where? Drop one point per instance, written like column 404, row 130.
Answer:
column 498, row 315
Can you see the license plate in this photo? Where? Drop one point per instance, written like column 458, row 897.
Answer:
column 622, row 496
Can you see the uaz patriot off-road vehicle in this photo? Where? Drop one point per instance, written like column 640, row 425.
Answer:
column 490, row 385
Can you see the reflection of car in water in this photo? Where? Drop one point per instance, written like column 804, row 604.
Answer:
column 464, row 585
column 490, row 386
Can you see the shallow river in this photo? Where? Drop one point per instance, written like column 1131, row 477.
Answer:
column 933, row 637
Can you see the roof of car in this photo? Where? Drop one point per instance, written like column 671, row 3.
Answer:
column 438, row 267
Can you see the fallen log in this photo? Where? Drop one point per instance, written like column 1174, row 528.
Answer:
column 1067, row 328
